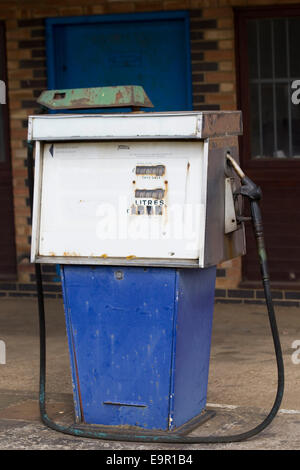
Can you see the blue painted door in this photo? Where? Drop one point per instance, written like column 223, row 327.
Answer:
column 151, row 50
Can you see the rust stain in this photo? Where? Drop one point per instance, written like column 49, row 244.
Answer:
column 166, row 191
column 165, row 209
column 130, row 257
column 80, row 101
column 119, row 96
column 188, row 166
column 103, row 256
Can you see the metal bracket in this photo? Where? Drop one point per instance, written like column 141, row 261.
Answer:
column 230, row 216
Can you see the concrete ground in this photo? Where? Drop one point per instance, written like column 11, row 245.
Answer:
column 242, row 381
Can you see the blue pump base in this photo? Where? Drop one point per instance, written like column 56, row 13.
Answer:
column 139, row 341
column 183, row 430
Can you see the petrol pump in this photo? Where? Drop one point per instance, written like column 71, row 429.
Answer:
column 138, row 209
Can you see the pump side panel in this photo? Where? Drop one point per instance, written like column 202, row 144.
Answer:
column 195, row 304
column 120, row 328
column 218, row 245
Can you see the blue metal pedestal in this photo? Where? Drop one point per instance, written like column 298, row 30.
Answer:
column 139, row 342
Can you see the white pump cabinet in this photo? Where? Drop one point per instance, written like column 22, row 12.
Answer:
column 136, row 189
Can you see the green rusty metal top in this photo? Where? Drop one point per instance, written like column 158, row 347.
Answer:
column 101, row 97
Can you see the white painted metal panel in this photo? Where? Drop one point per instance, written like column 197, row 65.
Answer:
column 79, row 127
column 92, row 193
column 36, row 198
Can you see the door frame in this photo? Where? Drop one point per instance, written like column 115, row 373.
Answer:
column 126, row 17
column 264, row 171
column 6, row 167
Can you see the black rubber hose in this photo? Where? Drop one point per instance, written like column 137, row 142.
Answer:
column 167, row 437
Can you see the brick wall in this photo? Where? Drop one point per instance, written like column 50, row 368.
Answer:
column 214, row 87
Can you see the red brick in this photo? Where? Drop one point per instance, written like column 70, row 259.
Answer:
column 218, row 98
column 70, row 11
column 175, row 5
column 218, row 55
column 121, row 7
column 148, row 6
column 218, row 12
column 218, row 77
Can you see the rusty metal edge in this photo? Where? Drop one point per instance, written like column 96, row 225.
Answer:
column 121, row 96
column 220, row 123
column 192, row 263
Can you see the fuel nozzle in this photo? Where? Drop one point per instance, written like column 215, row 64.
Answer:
column 248, row 188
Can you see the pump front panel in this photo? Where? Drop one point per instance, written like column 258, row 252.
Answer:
column 122, row 200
